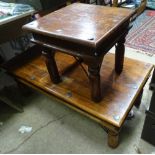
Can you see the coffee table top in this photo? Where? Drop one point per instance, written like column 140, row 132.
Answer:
column 119, row 92
column 85, row 23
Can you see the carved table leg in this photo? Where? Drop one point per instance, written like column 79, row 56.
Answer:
column 94, row 66
column 113, row 139
column 119, row 55
column 94, row 77
column 51, row 66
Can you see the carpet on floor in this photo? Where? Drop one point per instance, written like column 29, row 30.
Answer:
column 142, row 35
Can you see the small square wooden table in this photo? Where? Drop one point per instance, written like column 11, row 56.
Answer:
column 86, row 32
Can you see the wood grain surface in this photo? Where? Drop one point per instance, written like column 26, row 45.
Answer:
column 118, row 91
column 83, row 23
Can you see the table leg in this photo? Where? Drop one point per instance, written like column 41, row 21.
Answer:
column 94, row 77
column 51, row 66
column 119, row 55
column 94, row 66
column 113, row 139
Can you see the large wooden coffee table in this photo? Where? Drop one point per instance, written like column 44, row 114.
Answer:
column 120, row 92
column 86, row 32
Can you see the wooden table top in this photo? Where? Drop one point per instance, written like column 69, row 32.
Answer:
column 82, row 23
column 118, row 91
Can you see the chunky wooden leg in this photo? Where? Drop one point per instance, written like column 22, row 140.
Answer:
column 94, row 66
column 51, row 66
column 113, row 139
column 119, row 55
column 94, row 77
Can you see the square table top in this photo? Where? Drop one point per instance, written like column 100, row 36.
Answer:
column 79, row 22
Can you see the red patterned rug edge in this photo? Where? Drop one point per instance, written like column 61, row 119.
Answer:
column 140, row 48
column 140, row 51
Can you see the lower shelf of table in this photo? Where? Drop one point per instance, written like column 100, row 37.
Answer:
column 119, row 92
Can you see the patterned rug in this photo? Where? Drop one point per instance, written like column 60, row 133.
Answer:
column 142, row 36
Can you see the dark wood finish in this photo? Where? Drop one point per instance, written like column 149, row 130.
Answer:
column 119, row 92
column 113, row 139
column 89, row 34
column 94, row 66
column 119, row 55
column 94, row 76
column 51, row 65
